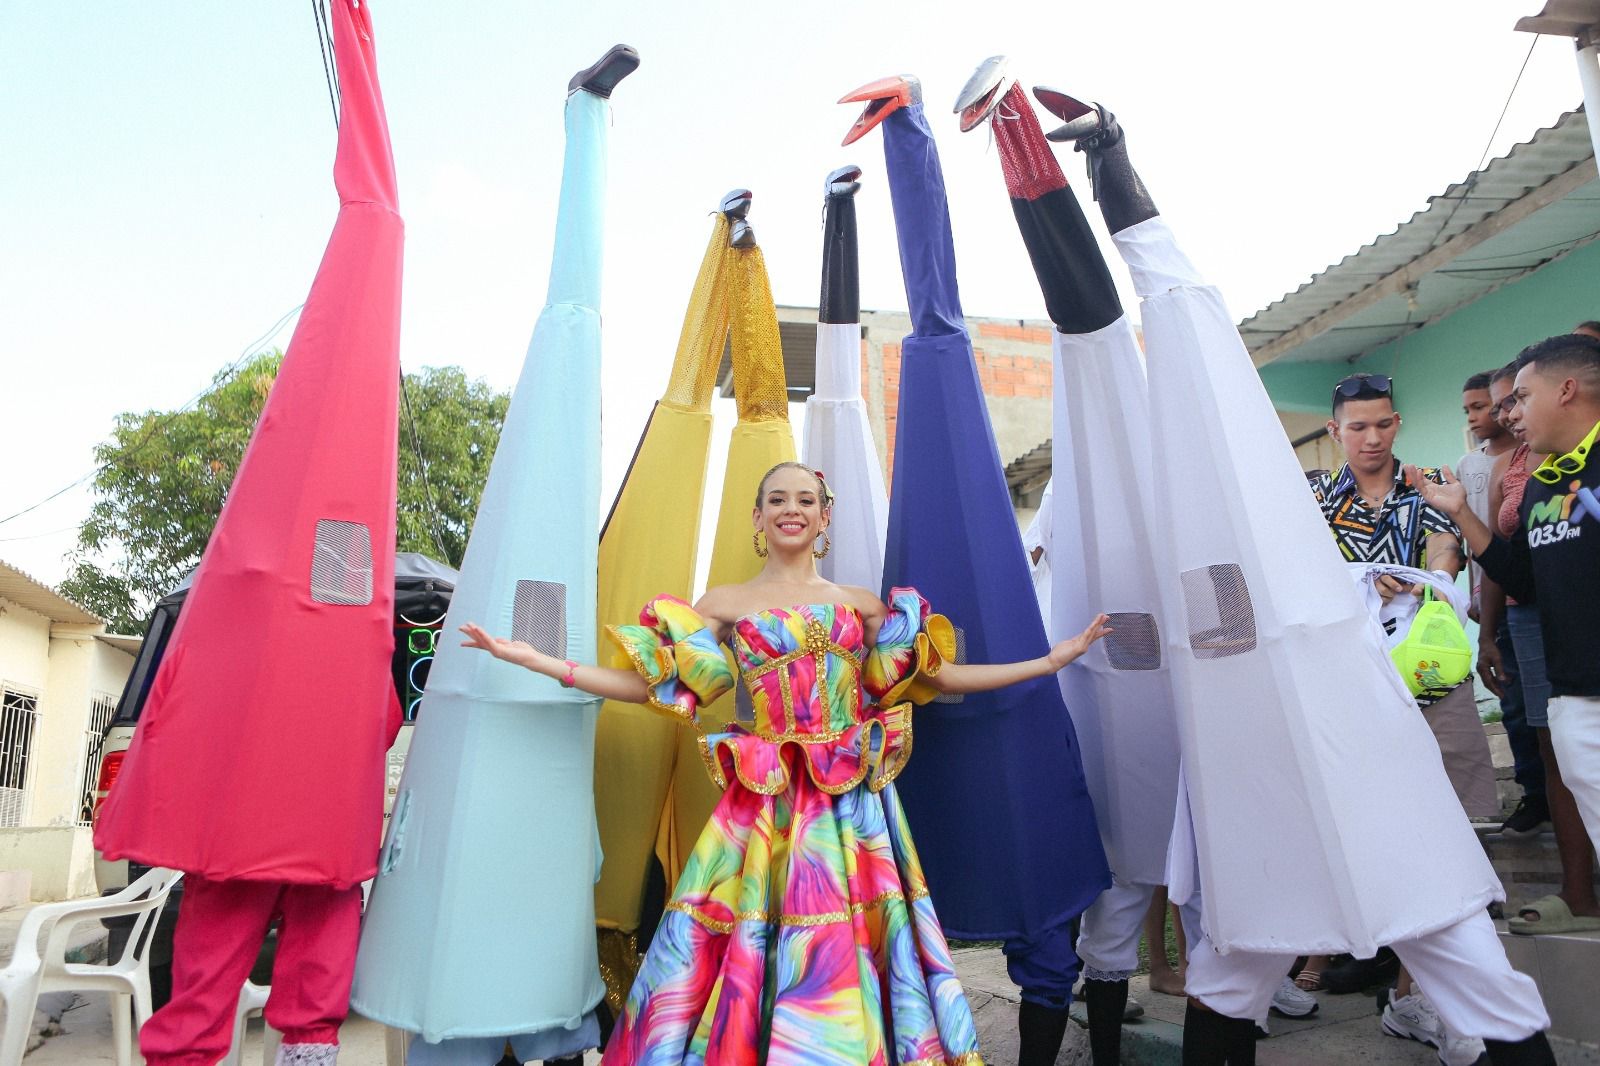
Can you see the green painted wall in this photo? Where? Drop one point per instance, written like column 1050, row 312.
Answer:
column 1429, row 365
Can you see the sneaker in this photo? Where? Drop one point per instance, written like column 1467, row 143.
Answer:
column 1292, row 1001
column 1413, row 1018
column 1531, row 816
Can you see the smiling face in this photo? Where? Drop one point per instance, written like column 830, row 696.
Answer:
column 1366, row 429
column 790, row 512
column 1506, row 411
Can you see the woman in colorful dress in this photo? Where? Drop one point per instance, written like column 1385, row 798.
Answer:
column 801, row 930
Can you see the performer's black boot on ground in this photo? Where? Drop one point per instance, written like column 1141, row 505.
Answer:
column 1212, row 1039
column 1040, row 1030
column 1105, row 1001
column 1533, row 1051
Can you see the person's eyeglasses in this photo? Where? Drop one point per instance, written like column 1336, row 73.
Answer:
column 1356, row 384
column 1555, row 467
column 1506, row 404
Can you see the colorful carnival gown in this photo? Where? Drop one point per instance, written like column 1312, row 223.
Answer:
column 801, row 930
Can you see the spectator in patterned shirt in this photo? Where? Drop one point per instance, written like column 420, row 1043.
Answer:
column 1376, row 515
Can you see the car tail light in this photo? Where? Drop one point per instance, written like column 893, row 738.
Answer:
column 110, row 767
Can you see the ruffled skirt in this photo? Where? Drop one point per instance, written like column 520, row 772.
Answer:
column 801, row 931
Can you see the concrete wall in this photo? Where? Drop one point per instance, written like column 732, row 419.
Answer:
column 81, row 669
column 1430, row 364
column 60, row 858
column 24, row 667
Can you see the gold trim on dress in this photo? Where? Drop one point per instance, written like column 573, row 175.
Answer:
column 686, row 716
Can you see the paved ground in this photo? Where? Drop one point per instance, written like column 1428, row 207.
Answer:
column 1344, row 1030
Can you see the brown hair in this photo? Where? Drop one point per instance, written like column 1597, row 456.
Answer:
column 822, row 486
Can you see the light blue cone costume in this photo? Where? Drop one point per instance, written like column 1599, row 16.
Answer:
column 480, row 927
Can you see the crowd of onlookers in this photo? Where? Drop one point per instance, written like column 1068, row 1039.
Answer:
column 1518, row 513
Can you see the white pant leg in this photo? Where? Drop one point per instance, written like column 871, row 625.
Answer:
column 1466, row 974
column 1108, row 939
column 1575, row 736
column 1239, row 984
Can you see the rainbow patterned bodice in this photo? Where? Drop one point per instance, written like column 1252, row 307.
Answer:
column 802, row 666
column 815, row 687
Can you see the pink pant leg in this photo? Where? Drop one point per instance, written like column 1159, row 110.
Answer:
column 220, row 929
column 317, row 934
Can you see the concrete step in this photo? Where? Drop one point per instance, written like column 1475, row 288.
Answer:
column 1345, row 1029
column 1566, row 967
column 1528, row 867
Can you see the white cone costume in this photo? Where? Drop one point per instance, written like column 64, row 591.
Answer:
column 1315, row 815
column 838, row 436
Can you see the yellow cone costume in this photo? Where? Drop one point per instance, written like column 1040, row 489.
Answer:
column 652, row 792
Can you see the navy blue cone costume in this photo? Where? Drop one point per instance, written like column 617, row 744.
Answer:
column 1017, row 854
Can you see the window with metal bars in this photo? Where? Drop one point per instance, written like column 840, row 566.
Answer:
column 19, row 716
column 102, row 707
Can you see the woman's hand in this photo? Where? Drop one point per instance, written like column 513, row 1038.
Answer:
column 512, row 651
column 1072, row 648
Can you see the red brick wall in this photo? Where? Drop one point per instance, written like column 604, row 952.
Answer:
column 1000, row 376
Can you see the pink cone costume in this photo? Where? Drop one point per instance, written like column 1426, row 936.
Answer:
column 258, row 766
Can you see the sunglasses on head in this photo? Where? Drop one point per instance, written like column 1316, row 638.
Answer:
column 1359, row 383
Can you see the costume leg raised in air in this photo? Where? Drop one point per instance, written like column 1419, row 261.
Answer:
column 304, row 545
column 1299, row 739
column 1100, row 548
column 838, row 437
column 1018, row 878
column 481, row 924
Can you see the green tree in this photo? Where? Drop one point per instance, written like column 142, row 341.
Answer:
column 164, row 475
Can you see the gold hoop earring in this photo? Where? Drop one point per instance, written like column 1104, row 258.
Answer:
column 827, row 546
column 761, row 551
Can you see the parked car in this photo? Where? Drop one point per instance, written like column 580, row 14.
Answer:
column 422, row 588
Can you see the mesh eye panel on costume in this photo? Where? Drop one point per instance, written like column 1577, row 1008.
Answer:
column 539, row 616
column 961, row 658
column 341, row 563
column 1134, row 642
column 1222, row 621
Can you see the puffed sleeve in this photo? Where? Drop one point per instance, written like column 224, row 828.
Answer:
column 912, row 646
column 676, row 652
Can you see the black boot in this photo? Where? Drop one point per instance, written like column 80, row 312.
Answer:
column 1533, row 1051
column 1105, row 1001
column 1212, row 1039
column 1040, row 1030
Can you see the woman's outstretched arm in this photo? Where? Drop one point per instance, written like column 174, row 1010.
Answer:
column 602, row 681
column 958, row 678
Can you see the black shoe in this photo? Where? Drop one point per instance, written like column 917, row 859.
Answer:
column 1354, row 975
column 1040, row 1030
column 1531, row 816
column 1534, row 1051
column 609, row 69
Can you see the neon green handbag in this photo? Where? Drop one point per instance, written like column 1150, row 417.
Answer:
column 1435, row 656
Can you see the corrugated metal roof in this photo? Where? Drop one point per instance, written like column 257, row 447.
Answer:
column 35, row 595
column 1533, row 204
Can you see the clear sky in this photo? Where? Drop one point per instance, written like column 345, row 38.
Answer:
column 166, row 191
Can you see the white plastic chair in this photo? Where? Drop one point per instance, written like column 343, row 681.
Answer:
column 127, row 979
column 252, row 1000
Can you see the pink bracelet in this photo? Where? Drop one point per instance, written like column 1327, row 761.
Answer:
column 570, row 680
